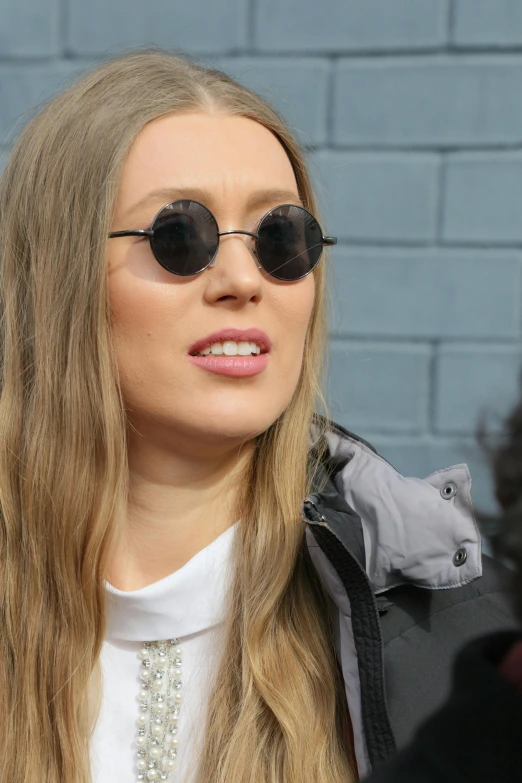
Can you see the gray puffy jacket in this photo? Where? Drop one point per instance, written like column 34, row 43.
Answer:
column 401, row 561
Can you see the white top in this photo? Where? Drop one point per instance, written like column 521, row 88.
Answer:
column 189, row 604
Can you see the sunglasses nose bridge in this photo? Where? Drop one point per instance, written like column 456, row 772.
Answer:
column 238, row 231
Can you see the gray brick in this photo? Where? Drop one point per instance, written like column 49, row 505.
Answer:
column 29, row 28
column 379, row 387
column 298, row 87
column 421, row 456
column 472, row 380
column 23, row 87
column 488, row 22
column 349, row 25
column 378, row 197
column 200, row 26
column 435, row 294
column 483, row 193
column 469, row 101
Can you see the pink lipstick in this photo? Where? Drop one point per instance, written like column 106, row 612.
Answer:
column 238, row 353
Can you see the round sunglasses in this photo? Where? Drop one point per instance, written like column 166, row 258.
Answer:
column 184, row 238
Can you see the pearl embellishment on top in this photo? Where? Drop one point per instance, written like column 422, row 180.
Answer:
column 160, row 699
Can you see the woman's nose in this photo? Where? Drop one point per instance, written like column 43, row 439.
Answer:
column 235, row 272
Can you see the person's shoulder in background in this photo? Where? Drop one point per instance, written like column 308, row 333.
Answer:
column 477, row 735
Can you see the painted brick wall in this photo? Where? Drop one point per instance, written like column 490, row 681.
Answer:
column 412, row 114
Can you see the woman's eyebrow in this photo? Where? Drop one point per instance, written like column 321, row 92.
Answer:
column 262, row 198
column 162, row 196
column 255, row 200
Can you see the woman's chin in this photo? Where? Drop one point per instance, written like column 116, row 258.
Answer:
column 213, row 424
column 234, row 429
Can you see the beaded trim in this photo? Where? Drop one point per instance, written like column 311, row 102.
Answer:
column 160, row 700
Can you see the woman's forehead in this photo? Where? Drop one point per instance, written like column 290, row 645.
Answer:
column 226, row 157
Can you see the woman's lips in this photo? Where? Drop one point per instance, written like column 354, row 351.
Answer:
column 237, row 335
column 233, row 366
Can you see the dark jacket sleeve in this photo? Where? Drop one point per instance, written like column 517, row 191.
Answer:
column 422, row 632
column 476, row 735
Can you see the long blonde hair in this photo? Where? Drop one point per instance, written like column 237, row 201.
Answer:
column 277, row 713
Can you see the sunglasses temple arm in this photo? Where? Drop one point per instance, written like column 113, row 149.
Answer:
column 138, row 232
column 329, row 240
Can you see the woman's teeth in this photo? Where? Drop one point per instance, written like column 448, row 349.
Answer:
column 231, row 348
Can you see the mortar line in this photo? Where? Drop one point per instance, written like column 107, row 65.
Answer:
column 441, row 196
column 432, row 381
column 450, row 28
column 63, row 25
column 251, row 27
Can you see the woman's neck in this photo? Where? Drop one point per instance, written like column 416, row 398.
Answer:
column 178, row 505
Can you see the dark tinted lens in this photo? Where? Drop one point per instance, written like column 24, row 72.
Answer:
column 290, row 242
column 185, row 237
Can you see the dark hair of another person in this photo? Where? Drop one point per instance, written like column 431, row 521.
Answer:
column 505, row 531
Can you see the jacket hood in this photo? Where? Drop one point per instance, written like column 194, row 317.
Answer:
column 417, row 531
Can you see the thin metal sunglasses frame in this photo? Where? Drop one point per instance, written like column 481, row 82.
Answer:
column 149, row 232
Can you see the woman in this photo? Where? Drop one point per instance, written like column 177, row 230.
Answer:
column 190, row 557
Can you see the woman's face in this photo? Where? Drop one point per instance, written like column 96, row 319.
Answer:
column 239, row 170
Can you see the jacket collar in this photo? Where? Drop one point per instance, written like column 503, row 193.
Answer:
column 402, row 530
